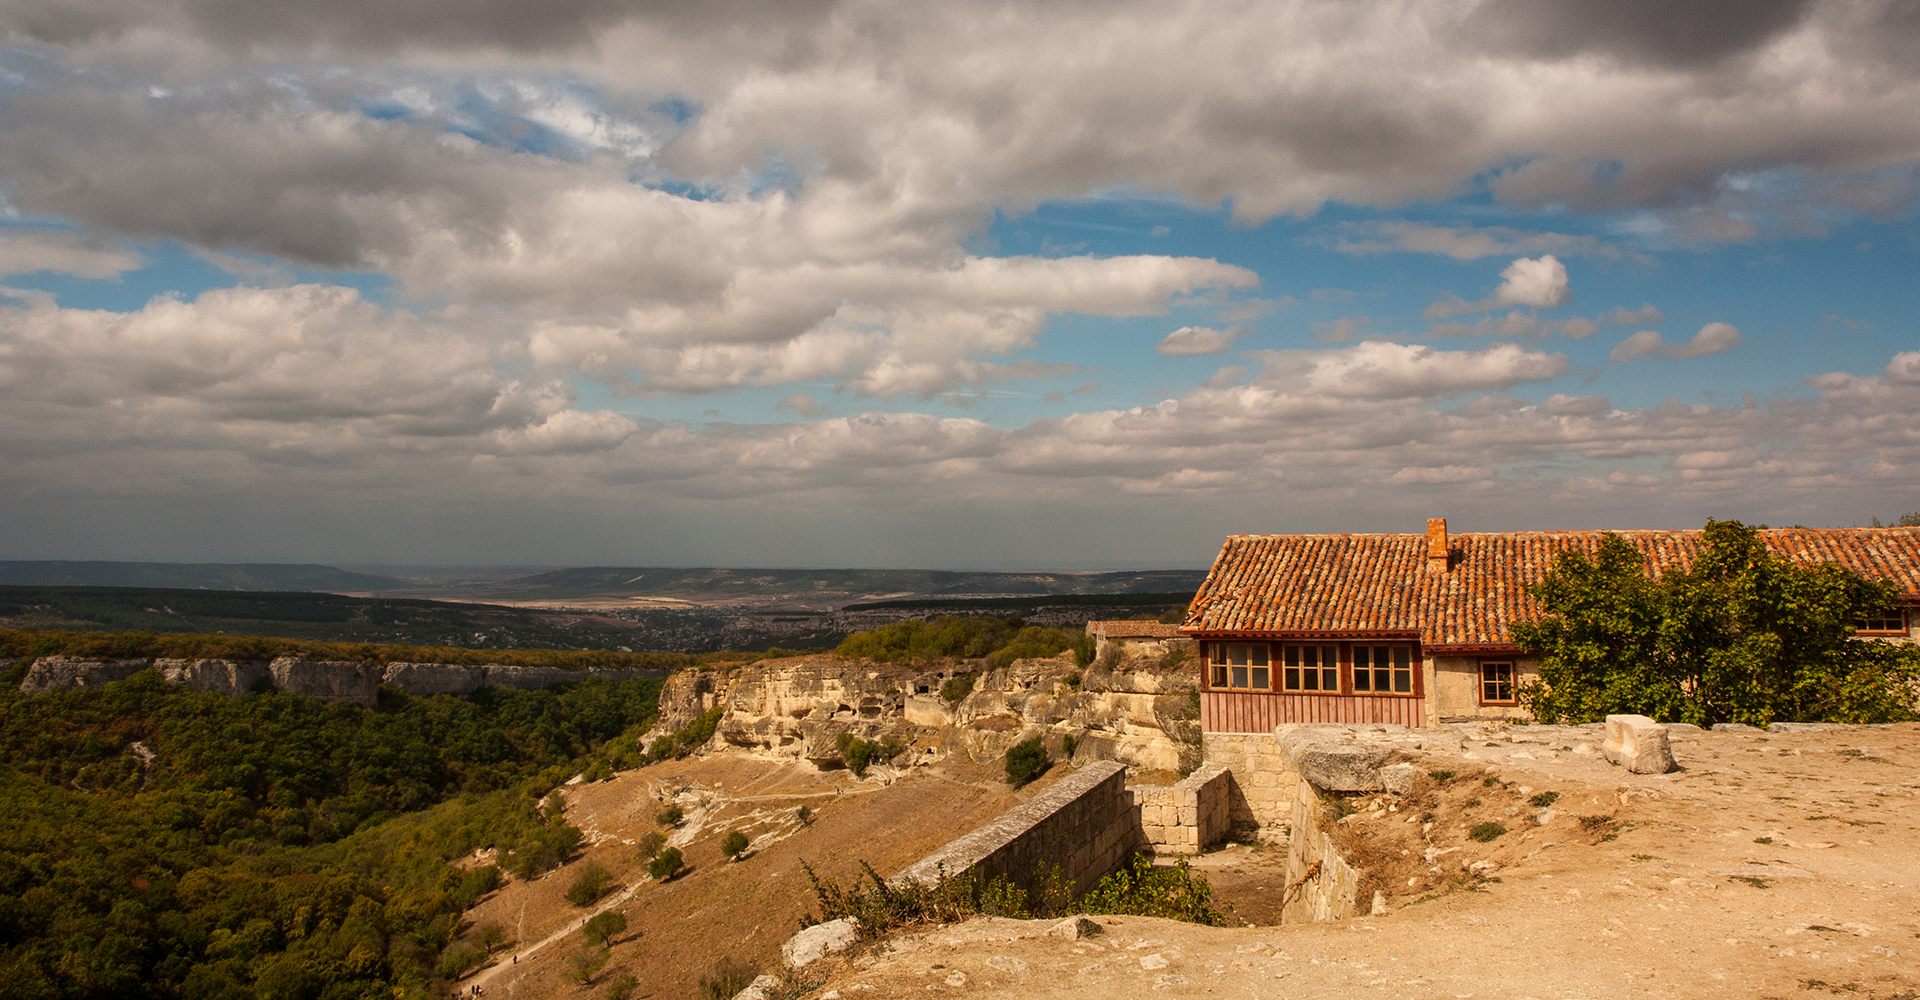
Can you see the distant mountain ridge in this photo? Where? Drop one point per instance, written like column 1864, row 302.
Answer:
column 843, row 583
column 190, row 576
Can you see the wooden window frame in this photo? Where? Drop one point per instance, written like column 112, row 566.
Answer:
column 1864, row 626
column 1337, row 670
column 1221, row 668
column 1414, row 668
column 1513, row 678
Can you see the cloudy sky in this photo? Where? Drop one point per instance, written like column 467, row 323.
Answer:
column 843, row 283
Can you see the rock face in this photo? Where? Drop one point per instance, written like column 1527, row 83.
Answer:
column 1638, row 744
column 330, row 680
column 817, row 942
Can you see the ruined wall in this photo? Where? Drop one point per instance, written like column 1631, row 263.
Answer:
column 330, row 680
column 1260, row 794
column 1086, row 823
column 1321, row 885
column 1189, row 816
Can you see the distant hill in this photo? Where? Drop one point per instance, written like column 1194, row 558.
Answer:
column 191, row 576
column 836, row 585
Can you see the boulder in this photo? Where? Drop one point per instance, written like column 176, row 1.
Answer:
column 762, row 988
column 1330, row 762
column 1399, row 778
column 1638, row 744
column 1074, row 929
column 817, row 942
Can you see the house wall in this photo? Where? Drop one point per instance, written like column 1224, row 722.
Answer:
column 1454, row 688
column 1246, row 712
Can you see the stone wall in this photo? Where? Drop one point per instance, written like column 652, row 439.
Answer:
column 330, row 680
column 1260, row 792
column 1086, row 823
column 1321, row 885
column 1188, row 817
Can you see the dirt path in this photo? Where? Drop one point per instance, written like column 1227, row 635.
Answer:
column 1774, row 865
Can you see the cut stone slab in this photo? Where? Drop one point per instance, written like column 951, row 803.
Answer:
column 1332, row 763
column 817, row 942
column 1638, row 744
column 1399, row 778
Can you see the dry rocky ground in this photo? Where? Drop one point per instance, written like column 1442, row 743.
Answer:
column 1773, row 865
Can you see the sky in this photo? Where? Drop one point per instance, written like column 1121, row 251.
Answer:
column 1066, row 286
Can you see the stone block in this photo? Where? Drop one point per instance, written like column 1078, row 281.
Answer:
column 1399, row 778
column 1638, row 744
column 819, row 941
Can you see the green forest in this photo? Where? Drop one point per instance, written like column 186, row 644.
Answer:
column 166, row 843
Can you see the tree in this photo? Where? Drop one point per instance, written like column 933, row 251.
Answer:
column 665, row 865
column 589, row 885
column 734, row 844
column 1742, row 636
column 602, row 927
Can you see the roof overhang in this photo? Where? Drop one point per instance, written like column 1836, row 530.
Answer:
column 1396, row 635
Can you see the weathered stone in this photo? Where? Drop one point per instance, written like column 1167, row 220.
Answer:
column 1399, row 778
column 1008, row 963
column 1638, row 744
column 1075, row 928
column 227, row 677
column 51, row 673
column 1735, row 727
column 763, row 988
column 1797, row 727
column 817, row 942
column 1329, row 761
column 1379, row 903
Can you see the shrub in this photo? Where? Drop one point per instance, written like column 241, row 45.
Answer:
column 958, row 687
column 458, row 959
column 1143, row 890
column 671, row 815
column 586, row 963
column 735, row 843
column 858, row 753
column 1545, row 799
column 622, row 986
column 1067, row 745
column 1026, row 761
column 1487, row 832
column 1442, row 776
column 727, row 979
column 1073, row 681
column 603, row 926
column 1083, row 648
column 492, row 936
column 666, row 864
column 805, row 815
column 589, row 885
column 650, row 844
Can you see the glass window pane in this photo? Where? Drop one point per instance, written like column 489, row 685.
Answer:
column 1403, row 681
column 1218, row 652
column 1402, row 657
column 1293, row 656
column 1260, row 682
column 1330, row 679
column 1360, row 658
column 1239, row 677
column 1312, row 679
column 1362, row 679
column 1220, row 676
column 1293, row 678
column 1259, row 655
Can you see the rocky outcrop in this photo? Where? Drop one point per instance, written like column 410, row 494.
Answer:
column 1638, row 744
column 330, row 680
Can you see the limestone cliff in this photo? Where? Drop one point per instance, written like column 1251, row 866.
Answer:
column 331, row 680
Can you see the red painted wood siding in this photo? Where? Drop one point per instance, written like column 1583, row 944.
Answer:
column 1238, row 712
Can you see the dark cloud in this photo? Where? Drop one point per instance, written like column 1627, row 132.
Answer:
column 1673, row 33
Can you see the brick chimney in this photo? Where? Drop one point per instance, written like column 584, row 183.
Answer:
column 1436, row 545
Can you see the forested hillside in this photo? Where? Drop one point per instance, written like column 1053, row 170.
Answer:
column 164, row 843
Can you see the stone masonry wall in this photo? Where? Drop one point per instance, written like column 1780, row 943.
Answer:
column 1086, row 823
column 1260, row 791
column 1188, row 817
column 1321, row 885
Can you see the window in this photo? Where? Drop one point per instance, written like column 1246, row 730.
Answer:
column 1311, row 668
column 1383, row 669
column 1241, row 665
column 1894, row 621
column 1496, row 684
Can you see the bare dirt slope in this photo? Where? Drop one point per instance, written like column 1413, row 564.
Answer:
column 719, row 910
column 1774, row 865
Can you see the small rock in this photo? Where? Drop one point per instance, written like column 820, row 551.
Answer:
column 958, row 978
column 1583, row 748
column 1074, row 928
column 1544, row 816
column 1153, row 961
column 819, row 941
column 1170, row 980
column 1638, row 744
column 1007, row 963
column 1399, row 778
column 1379, row 903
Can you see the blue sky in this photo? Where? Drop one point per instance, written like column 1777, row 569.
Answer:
column 1005, row 287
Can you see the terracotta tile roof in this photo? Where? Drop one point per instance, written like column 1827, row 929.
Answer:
column 1134, row 630
column 1380, row 583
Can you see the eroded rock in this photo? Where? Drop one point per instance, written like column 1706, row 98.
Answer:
column 1638, row 744
column 817, row 942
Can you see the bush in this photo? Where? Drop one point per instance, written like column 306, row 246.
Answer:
column 603, row 926
column 671, row 815
column 586, row 963
column 1441, row 776
column 727, row 978
column 622, row 986
column 1487, row 832
column 958, row 687
column 805, row 815
column 1083, row 648
column 1067, row 745
column 589, row 885
column 735, row 843
column 1545, row 799
column 666, row 864
column 1143, row 890
column 650, row 844
column 1026, row 761
column 458, row 959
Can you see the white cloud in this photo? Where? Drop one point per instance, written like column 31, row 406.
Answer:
column 1459, row 242
column 1643, row 344
column 801, row 404
column 1539, row 282
column 1714, row 338
column 1189, row 341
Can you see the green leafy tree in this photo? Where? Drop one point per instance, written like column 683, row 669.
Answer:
column 1741, row 636
column 735, row 843
column 589, row 885
column 1026, row 761
column 601, row 928
column 666, row 864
